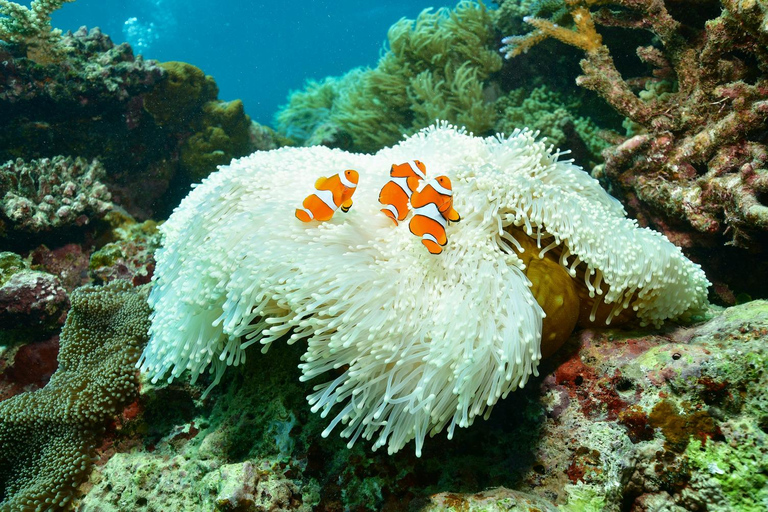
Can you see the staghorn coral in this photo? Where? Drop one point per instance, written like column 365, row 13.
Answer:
column 407, row 337
column 45, row 194
column 47, row 437
column 699, row 166
column 435, row 68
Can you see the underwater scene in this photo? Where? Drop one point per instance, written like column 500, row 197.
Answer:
column 416, row 256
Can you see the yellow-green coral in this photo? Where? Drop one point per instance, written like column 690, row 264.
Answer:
column 178, row 99
column 47, row 436
column 31, row 26
column 223, row 135
column 545, row 110
column 736, row 471
column 186, row 101
column 435, row 68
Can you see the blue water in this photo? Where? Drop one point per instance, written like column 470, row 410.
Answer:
column 256, row 51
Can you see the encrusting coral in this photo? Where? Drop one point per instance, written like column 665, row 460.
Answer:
column 49, row 193
column 47, row 436
column 411, row 343
column 697, row 169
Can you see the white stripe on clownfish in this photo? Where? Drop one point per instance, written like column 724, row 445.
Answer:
column 415, row 169
column 435, row 185
column 431, row 211
column 346, row 182
column 327, row 197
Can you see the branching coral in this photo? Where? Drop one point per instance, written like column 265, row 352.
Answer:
column 47, row 436
column 435, row 68
column 701, row 158
column 31, row 26
column 409, row 343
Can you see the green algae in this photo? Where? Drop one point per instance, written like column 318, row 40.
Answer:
column 10, row 264
column 738, row 467
column 584, row 498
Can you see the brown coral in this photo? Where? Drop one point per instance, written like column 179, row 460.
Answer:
column 695, row 164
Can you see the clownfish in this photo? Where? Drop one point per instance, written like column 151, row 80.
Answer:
column 330, row 194
column 395, row 195
column 432, row 209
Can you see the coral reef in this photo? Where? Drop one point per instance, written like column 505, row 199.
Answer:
column 45, row 194
column 435, row 68
column 99, row 101
column 695, row 163
column 186, row 101
column 30, row 301
column 219, row 287
column 492, row 500
column 589, row 434
column 47, row 437
column 544, row 110
column 130, row 253
column 68, row 262
column 30, row 27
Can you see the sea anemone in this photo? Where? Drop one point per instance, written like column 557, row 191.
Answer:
column 409, row 343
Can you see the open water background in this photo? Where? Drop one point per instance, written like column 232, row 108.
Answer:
column 256, row 51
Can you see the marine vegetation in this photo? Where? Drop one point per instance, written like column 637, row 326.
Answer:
column 48, row 437
column 405, row 339
column 694, row 162
column 435, row 68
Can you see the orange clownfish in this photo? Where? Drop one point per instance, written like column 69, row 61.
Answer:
column 330, row 194
column 395, row 195
column 432, row 209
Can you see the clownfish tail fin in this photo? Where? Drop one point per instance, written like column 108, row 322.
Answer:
column 391, row 212
column 304, row 215
column 452, row 215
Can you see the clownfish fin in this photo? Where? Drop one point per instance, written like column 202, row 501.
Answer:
column 346, row 205
column 413, row 183
column 304, row 215
column 390, row 211
column 320, row 181
column 431, row 244
column 452, row 215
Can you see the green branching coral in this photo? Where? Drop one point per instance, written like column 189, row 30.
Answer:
column 31, row 26
column 47, row 436
column 436, row 67
column 545, row 110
